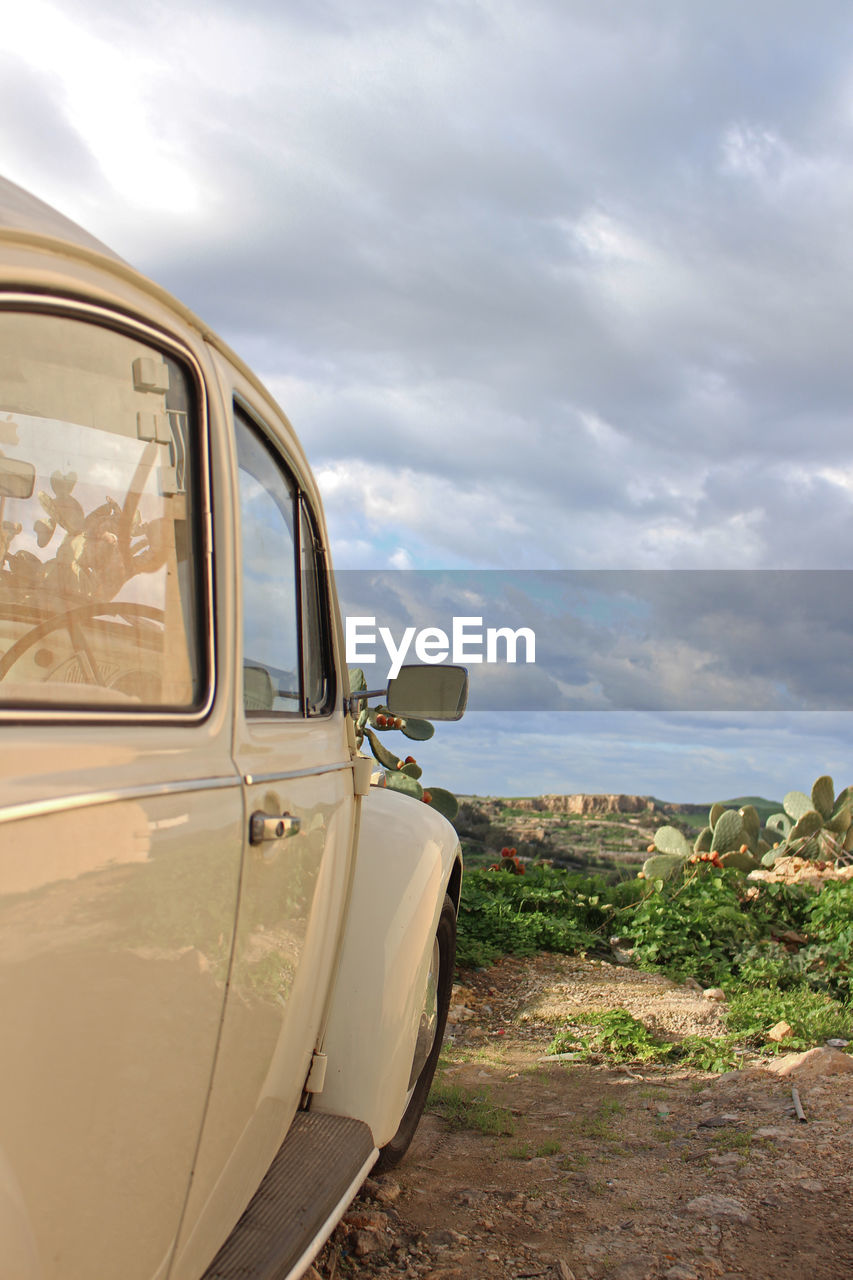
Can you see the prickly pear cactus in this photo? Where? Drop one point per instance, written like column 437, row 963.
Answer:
column 818, row 826
column 400, row 774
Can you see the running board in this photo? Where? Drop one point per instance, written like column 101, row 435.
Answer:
column 319, row 1167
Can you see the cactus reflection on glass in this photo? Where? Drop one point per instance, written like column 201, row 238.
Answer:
column 96, row 553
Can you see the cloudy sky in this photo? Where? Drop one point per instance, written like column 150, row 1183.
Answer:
column 543, row 286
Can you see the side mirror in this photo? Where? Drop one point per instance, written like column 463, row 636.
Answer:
column 429, row 693
column 258, row 691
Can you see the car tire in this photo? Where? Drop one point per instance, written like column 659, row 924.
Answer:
column 445, row 951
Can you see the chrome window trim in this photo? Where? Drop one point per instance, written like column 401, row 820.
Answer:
column 122, row 322
column 92, row 799
column 254, row 416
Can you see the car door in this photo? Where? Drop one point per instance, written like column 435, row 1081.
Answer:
column 120, row 806
column 292, row 753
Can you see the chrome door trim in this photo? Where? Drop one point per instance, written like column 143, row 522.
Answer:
column 91, row 799
column 253, row 779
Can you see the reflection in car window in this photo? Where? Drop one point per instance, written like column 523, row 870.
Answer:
column 270, row 612
column 286, row 619
column 319, row 686
column 100, row 605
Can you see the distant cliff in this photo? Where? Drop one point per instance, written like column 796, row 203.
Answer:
column 588, row 804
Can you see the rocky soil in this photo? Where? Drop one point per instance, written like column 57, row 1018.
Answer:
column 603, row 1173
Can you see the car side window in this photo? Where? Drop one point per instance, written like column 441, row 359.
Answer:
column 102, row 602
column 287, row 668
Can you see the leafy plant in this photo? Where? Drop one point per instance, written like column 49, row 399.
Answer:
column 697, row 931
column 813, row 1016
column 547, row 909
column 828, row 955
column 400, row 774
column 620, row 1037
column 616, row 1035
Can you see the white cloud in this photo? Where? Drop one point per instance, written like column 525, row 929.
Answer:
column 542, row 284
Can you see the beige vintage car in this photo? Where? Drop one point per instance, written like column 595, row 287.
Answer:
column 225, row 958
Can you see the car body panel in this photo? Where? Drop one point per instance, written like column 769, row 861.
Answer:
column 406, row 854
column 165, row 983
column 115, row 921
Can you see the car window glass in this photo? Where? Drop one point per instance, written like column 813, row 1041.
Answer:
column 100, row 601
column 319, row 685
column 271, row 648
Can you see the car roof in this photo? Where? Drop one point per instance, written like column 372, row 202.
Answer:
column 21, row 211
column 24, row 216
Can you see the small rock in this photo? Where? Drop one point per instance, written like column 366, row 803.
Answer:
column 359, row 1219
column 715, row 993
column 388, row 1192
column 812, row 1064
column 837, row 1044
column 724, row 1159
column 691, row 984
column 771, row 1131
column 459, row 1013
column 781, row 1031
column 718, row 1122
column 810, row 1184
column 739, row 1074
column 443, row 1239
column 365, row 1242
column 622, row 953
column 471, row 1195
column 716, row 1206
column 385, row 1190
column 681, row 1271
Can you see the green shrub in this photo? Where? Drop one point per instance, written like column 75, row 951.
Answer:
column 620, row 1037
column 828, row 921
column 547, row 909
column 696, row 932
column 812, row 1016
column 782, row 952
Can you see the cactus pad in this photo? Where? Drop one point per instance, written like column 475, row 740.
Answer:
column 670, row 840
column 728, row 832
column 823, row 796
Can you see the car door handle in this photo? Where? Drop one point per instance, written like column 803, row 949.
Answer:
column 265, row 826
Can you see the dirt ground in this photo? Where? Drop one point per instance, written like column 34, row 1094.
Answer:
column 603, row 1173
